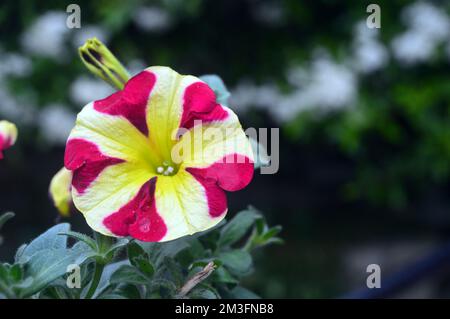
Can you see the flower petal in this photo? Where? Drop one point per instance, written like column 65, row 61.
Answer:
column 113, row 189
column 8, row 136
column 131, row 102
column 139, row 217
column 177, row 101
column 110, row 159
column 188, row 206
column 114, row 136
column 167, row 208
column 220, row 151
column 228, row 172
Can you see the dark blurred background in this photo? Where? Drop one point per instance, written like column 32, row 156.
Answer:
column 364, row 117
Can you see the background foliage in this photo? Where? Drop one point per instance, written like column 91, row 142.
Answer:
column 121, row 268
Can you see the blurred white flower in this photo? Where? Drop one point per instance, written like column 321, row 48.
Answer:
column 243, row 95
column 288, row 107
column 14, row 64
column 428, row 25
column 19, row 109
column 55, row 123
column 427, row 19
column 330, row 86
column 267, row 95
column 412, row 47
column 369, row 54
column 46, row 36
column 324, row 86
column 86, row 32
column 85, row 89
column 362, row 31
column 246, row 94
column 152, row 19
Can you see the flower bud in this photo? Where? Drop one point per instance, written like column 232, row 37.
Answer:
column 101, row 62
column 61, row 191
column 8, row 136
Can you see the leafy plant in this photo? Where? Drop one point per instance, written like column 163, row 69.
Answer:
column 208, row 265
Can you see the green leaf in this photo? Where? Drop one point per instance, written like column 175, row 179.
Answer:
column 19, row 252
column 134, row 250
column 47, row 241
column 274, row 240
column 16, row 273
column 204, row 292
column 4, row 272
column 81, row 237
column 238, row 262
column 128, row 274
column 162, row 288
column 114, row 249
column 261, row 226
column 46, row 265
column 108, row 271
column 123, row 291
column 10, row 280
column 46, row 259
column 158, row 251
column 242, row 293
column 112, row 296
column 54, row 292
column 237, row 227
column 222, row 275
column 171, row 269
column 139, row 258
column 272, row 232
column 219, row 88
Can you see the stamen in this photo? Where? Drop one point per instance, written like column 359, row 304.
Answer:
column 165, row 169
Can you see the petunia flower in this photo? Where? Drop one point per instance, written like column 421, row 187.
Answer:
column 8, row 136
column 60, row 191
column 153, row 161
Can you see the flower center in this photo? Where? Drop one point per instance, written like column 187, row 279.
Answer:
column 166, row 169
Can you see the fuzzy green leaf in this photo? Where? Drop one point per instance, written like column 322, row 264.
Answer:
column 47, row 241
column 237, row 227
column 238, row 262
column 139, row 259
column 128, row 274
column 243, row 293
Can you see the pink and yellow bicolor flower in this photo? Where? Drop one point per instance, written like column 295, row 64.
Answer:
column 126, row 180
column 8, row 136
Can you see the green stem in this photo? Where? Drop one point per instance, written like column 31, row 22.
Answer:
column 95, row 280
